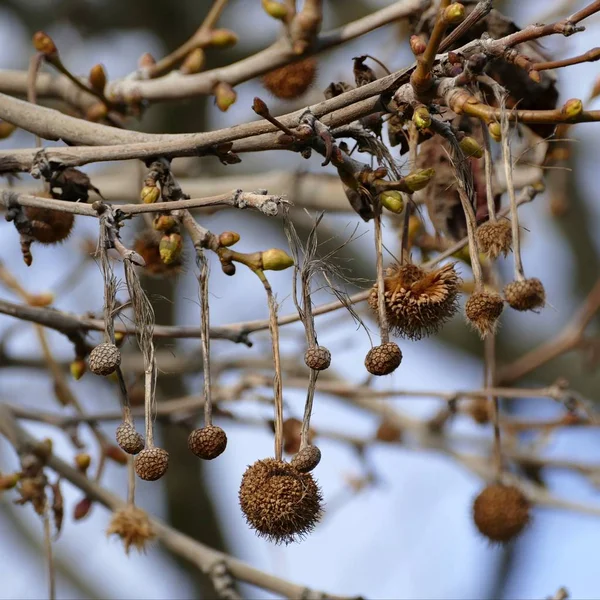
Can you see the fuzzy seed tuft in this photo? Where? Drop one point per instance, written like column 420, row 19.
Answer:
column 133, row 526
column 279, row 503
column 49, row 226
column 207, row 442
column 495, row 238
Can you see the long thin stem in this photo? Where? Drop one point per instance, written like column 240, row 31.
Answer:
column 130, row 480
column 49, row 554
column 310, row 395
column 205, row 337
column 489, row 382
column 488, row 165
column 381, row 308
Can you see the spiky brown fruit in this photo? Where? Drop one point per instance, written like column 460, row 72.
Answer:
column 151, row 463
column 482, row 310
column 495, row 238
column 384, row 359
column 133, row 526
column 104, row 359
column 129, row 439
column 418, row 302
column 207, row 442
column 279, row 503
column 147, row 245
column 528, row 294
column 501, row 512
column 307, row 459
column 317, row 358
column 291, row 81
column 49, row 226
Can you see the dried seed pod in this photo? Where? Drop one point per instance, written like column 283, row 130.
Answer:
column 501, row 512
column 291, row 81
column 482, row 310
column 384, row 359
column 528, row 294
column 49, row 226
column 307, row 459
column 418, row 302
column 133, row 526
column 495, row 238
column 151, row 463
column 207, row 442
column 279, row 503
column 104, row 359
column 317, row 358
column 129, row 439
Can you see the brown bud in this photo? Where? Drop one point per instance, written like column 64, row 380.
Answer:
column 225, row 95
column 388, row 432
column 82, row 509
column 96, row 112
column 223, row 38
column 97, row 78
column 229, row 238
column 6, row 129
column 42, row 300
column 7, row 482
column 276, row 260
column 149, row 194
column 164, row 223
column 228, row 268
column 78, row 368
column 43, row 43
column 194, row 62
column 572, row 108
column 170, row 248
column 417, row 44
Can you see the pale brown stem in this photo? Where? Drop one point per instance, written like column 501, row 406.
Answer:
column 490, row 374
column 488, row 165
column 49, row 554
column 310, row 395
column 381, row 308
column 205, row 338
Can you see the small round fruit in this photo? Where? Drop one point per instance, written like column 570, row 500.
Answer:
column 528, row 294
column 384, row 359
column 307, row 459
column 207, row 442
column 128, row 439
column 151, row 463
column 104, row 359
column 317, row 358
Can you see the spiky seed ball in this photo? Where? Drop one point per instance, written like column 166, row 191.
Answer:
column 482, row 310
column 151, row 463
column 49, row 226
column 418, row 302
column 495, row 238
column 528, row 294
column 501, row 512
column 104, row 359
column 207, row 442
column 307, row 459
column 291, row 81
column 384, row 359
column 317, row 358
column 133, row 526
column 279, row 503
column 129, row 439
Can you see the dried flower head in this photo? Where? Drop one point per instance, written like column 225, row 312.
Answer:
column 307, row 459
column 279, row 503
column 49, row 226
column 151, row 463
column 133, row 526
column 418, row 302
column 495, row 238
column 528, row 294
column 291, row 81
column 501, row 512
column 482, row 310
column 383, row 359
column 207, row 442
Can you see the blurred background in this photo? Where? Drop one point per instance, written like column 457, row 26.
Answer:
column 409, row 534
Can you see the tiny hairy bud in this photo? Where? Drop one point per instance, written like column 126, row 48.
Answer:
column 392, row 200
column 229, row 238
column 223, row 38
column 454, row 14
column 78, row 367
column 421, row 117
column 96, row 112
column 82, row 461
column 6, row 129
column 43, row 43
column 470, row 146
column 276, row 260
column 572, row 108
column 164, row 223
column 194, row 62
column 275, row 9
column 97, row 78
column 170, row 248
column 149, row 194
column 225, row 95
column 495, row 131
column 419, row 179
column 417, row 44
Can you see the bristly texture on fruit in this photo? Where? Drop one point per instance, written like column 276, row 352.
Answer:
column 501, row 512
column 495, row 238
column 280, row 503
column 528, row 294
column 418, row 302
column 483, row 310
column 291, row 81
column 133, row 526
